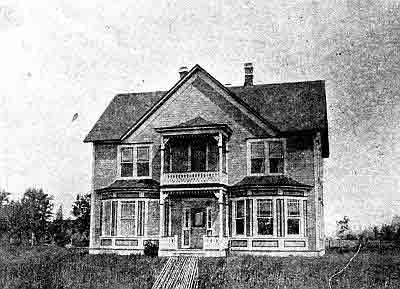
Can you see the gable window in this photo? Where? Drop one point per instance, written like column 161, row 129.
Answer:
column 257, row 158
column 264, row 217
column 135, row 161
column 293, row 218
column 266, row 157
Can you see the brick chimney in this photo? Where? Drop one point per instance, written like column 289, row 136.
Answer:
column 183, row 71
column 248, row 74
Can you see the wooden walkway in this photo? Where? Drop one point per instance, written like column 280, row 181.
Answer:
column 178, row 273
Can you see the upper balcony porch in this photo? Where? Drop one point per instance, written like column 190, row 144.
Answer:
column 194, row 154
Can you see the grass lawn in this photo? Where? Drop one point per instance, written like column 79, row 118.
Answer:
column 56, row 268
column 367, row 270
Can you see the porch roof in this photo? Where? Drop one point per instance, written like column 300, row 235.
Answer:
column 269, row 181
column 132, row 184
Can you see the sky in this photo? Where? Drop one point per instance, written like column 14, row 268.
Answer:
column 61, row 57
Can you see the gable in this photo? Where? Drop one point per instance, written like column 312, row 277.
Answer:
column 196, row 100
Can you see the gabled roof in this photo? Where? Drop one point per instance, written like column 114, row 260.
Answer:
column 284, row 107
column 196, row 122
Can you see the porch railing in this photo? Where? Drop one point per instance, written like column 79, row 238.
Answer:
column 169, row 243
column 194, row 178
column 214, row 243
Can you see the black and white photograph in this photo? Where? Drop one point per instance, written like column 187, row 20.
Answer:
column 177, row 144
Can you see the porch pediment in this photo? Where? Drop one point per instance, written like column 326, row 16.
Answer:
column 196, row 125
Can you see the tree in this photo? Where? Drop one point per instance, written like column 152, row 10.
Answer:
column 343, row 227
column 17, row 221
column 59, row 214
column 81, row 211
column 4, row 197
column 38, row 207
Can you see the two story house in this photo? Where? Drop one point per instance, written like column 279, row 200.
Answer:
column 207, row 169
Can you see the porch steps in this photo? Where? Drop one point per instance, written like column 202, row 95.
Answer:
column 178, row 273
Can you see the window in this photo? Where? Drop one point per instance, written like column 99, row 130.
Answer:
column 275, row 157
column 239, row 217
column 257, row 158
column 209, row 222
column 143, row 162
column 110, row 218
column 266, row 156
column 126, row 162
column 293, row 217
column 128, row 218
column 265, row 224
column 135, row 161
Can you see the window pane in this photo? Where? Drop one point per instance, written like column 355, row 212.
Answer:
column 293, row 226
column 141, row 218
column 240, row 209
column 239, row 226
column 276, row 166
column 127, row 210
column 126, row 169
column 107, row 218
column 264, row 208
column 179, row 154
column 265, row 226
column 275, row 149
column 127, row 218
column 126, row 155
column 143, row 154
column 213, row 158
column 198, row 157
column 114, row 218
column 257, row 166
column 257, row 150
column 293, row 208
column 143, row 169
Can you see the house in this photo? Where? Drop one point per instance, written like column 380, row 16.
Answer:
column 207, row 169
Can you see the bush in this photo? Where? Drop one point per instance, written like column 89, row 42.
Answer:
column 151, row 248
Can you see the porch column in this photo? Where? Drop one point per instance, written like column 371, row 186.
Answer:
column 163, row 143
column 163, row 196
column 221, row 158
column 221, row 217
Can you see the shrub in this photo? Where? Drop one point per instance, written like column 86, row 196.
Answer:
column 151, row 248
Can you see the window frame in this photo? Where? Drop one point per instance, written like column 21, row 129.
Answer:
column 135, row 160
column 273, row 205
column 300, row 217
column 266, row 142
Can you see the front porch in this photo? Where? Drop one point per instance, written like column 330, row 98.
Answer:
column 193, row 223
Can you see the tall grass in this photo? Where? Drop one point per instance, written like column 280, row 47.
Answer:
column 57, row 268
column 368, row 270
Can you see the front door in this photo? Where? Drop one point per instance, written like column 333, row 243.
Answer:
column 186, row 228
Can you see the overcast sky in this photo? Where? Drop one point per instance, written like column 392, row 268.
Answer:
column 59, row 58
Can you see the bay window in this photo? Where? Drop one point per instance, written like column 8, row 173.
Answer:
column 269, row 217
column 135, row 161
column 266, row 157
column 123, row 218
